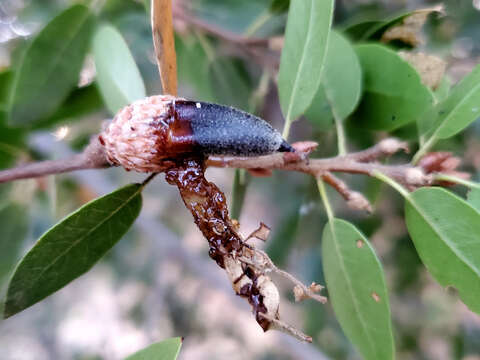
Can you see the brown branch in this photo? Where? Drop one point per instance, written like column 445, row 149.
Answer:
column 355, row 200
column 406, row 174
column 223, row 34
column 93, row 157
column 384, row 148
column 254, row 48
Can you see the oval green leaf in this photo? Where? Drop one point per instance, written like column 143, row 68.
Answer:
column 241, row 181
column 394, row 95
column 283, row 239
column 118, row 76
column 458, row 110
column 303, row 55
column 443, row 90
column 279, row 6
column 194, row 68
column 50, row 67
column 14, row 226
column 357, row 31
column 372, row 28
column 357, row 290
column 229, row 82
column 80, row 102
column 446, row 232
column 165, row 350
column 72, row 247
column 5, row 80
column 473, row 198
column 341, row 84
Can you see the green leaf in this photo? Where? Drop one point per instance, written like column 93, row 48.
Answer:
column 280, row 246
column 458, row 110
column 72, row 247
column 118, row 76
column 358, row 30
column 376, row 31
column 232, row 15
column 394, row 95
column 81, row 101
column 357, row 290
column 14, row 226
column 303, row 55
column 239, row 190
column 5, row 81
column 11, row 143
column 165, row 350
column 11, row 139
column 442, row 91
column 341, row 84
column 279, row 6
column 50, row 67
column 193, row 68
column 229, row 82
column 473, row 198
column 449, row 246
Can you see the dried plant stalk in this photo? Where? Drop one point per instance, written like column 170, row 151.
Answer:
column 164, row 44
column 246, row 267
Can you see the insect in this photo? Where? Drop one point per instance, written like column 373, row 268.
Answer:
column 145, row 134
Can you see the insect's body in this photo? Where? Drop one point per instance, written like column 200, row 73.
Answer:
column 145, row 134
column 222, row 130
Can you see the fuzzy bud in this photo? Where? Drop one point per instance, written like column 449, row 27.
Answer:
column 134, row 137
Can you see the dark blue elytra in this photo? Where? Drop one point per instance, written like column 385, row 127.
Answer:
column 224, row 130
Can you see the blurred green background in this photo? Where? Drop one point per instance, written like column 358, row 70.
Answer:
column 158, row 281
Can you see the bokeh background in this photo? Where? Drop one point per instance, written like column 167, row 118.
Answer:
column 158, row 281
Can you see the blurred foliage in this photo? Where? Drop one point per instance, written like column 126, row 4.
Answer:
column 428, row 322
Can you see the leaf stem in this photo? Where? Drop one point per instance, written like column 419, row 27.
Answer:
column 341, row 143
column 286, row 128
column 207, row 47
column 389, row 181
column 259, row 93
column 326, row 202
column 148, row 179
column 424, row 149
column 457, row 180
column 258, row 23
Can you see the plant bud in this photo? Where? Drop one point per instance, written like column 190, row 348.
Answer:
column 145, row 134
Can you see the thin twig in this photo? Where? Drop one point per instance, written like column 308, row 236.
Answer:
column 254, row 48
column 92, row 158
column 384, row 148
column 286, row 328
column 223, row 34
column 351, row 163
column 308, row 292
column 355, row 200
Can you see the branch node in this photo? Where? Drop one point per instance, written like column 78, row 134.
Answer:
column 358, row 201
column 384, row 148
column 416, row 177
column 355, row 200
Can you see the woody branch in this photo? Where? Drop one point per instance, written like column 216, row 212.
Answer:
column 363, row 162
